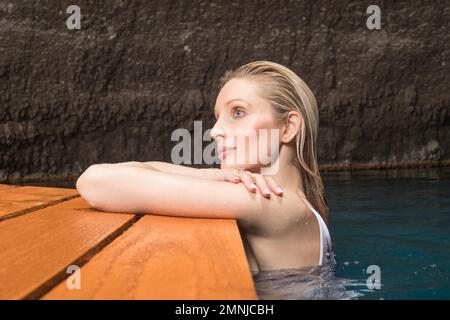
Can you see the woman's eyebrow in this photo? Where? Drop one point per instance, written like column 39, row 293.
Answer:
column 229, row 101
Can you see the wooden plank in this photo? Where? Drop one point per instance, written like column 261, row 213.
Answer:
column 17, row 201
column 163, row 257
column 36, row 248
column 7, row 186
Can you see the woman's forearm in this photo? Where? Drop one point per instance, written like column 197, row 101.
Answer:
column 132, row 189
column 203, row 173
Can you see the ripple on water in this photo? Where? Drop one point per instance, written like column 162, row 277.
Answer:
column 304, row 284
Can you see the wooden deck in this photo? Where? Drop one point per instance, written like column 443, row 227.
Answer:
column 43, row 231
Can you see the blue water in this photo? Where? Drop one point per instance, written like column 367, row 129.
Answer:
column 398, row 220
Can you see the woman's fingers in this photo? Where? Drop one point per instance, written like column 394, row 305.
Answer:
column 252, row 182
column 247, row 180
column 274, row 186
column 232, row 177
column 262, row 185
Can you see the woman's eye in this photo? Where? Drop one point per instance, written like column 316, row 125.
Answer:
column 237, row 113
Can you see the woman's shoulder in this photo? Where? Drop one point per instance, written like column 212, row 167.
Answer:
column 291, row 210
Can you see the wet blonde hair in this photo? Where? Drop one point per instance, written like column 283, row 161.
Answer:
column 286, row 91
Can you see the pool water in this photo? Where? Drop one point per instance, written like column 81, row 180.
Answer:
column 394, row 220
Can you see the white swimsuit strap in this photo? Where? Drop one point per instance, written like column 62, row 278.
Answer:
column 319, row 220
column 325, row 238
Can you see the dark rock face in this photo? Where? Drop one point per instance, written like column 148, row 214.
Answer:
column 137, row 70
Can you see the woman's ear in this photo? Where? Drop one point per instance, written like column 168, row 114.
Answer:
column 291, row 126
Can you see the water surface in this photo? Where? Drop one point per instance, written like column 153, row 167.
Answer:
column 397, row 220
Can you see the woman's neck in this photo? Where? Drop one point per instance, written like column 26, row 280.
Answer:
column 286, row 174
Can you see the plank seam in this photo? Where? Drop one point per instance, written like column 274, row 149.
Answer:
column 62, row 275
column 38, row 207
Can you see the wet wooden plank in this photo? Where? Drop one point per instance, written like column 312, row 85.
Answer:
column 16, row 201
column 163, row 257
column 36, row 248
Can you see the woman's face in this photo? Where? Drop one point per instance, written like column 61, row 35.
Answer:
column 245, row 129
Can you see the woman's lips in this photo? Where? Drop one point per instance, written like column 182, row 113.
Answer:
column 223, row 152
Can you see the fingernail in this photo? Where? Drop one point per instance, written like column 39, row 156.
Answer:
column 279, row 190
column 236, row 178
column 253, row 186
column 267, row 192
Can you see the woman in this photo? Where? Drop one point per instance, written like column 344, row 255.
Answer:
column 281, row 231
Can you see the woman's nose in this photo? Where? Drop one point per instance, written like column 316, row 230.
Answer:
column 217, row 131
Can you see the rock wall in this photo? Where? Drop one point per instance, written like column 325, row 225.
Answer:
column 136, row 70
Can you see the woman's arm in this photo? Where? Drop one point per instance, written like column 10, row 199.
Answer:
column 204, row 173
column 119, row 188
column 251, row 181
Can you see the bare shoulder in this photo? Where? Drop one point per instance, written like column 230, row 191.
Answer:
column 280, row 214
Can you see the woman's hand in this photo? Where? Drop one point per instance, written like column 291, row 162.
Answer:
column 253, row 181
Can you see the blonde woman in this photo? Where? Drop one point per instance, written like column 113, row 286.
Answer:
column 282, row 215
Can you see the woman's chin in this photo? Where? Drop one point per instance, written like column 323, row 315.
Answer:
column 246, row 167
column 229, row 165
